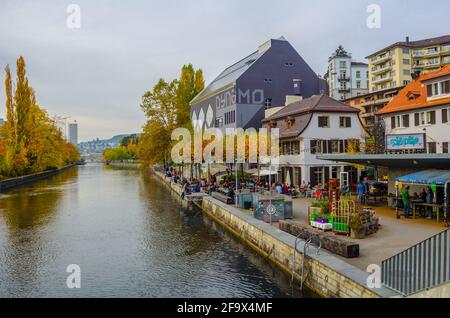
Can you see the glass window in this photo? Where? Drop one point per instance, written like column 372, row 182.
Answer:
column 406, row 61
column 345, row 122
column 445, row 87
column 431, row 147
column 445, row 147
column 324, row 122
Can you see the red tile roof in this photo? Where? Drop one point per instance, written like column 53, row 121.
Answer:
column 402, row 101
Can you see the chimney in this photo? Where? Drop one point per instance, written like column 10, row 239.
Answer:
column 415, row 75
column 407, row 40
column 297, row 84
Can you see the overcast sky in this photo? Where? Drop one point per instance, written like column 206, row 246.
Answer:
column 97, row 73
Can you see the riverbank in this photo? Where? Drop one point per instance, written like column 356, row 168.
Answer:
column 11, row 183
column 327, row 275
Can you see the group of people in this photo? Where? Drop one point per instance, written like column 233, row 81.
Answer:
column 425, row 196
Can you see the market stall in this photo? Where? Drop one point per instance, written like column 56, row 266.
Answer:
column 437, row 180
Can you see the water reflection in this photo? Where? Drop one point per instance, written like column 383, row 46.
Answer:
column 131, row 238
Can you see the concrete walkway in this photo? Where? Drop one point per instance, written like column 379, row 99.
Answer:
column 394, row 236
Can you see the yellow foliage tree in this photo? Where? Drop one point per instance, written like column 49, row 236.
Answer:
column 30, row 141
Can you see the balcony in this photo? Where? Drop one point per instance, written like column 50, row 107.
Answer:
column 344, row 90
column 377, row 70
column 427, row 64
column 445, row 50
column 382, row 59
column 383, row 79
column 344, row 78
column 431, row 53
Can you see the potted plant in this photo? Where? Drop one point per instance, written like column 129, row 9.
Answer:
column 357, row 228
column 322, row 205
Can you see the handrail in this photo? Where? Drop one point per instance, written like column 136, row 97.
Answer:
column 305, row 254
column 423, row 266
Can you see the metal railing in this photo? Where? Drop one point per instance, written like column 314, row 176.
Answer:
column 306, row 247
column 421, row 267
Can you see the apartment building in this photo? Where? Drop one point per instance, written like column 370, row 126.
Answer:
column 346, row 78
column 418, row 119
column 370, row 104
column 392, row 66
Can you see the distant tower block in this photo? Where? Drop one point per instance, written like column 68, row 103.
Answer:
column 73, row 133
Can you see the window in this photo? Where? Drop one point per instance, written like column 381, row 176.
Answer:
column 290, row 148
column 435, row 89
column 432, row 147
column 405, row 121
column 425, row 118
column 289, row 64
column 219, row 122
column 445, row 113
column 429, row 90
column 406, row 61
column 335, row 146
column 324, row 122
column 445, row 147
column 406, row 72
column 358, row 74
column 400, row 121
column 358, row 84
column 343, row 64
column 445, row 87
column 230, row 117
column 268, row 102
column 405, row 51
column 267, row 80
column 345, row 122
column 405, row 83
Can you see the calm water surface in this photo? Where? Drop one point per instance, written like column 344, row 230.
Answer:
column 131, row 238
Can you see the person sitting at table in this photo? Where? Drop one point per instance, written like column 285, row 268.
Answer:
column 285, row 189
column 278, row 189
column 430, row 199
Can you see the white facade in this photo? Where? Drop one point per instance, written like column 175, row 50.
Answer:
column 300, row 166
column 73, row 134
column 346, row 78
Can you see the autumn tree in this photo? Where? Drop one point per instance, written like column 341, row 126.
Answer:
column 167, row 107
column 30, row 141
column 190, row 84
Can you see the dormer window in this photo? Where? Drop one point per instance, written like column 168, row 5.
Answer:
column 273, row 124
column 412, row 95
column 290, row 122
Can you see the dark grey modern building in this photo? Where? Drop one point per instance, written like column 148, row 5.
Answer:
column 239, row 96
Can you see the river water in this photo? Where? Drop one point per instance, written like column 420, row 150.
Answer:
column 129, row 236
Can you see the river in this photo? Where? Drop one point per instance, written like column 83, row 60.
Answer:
column 129, row 236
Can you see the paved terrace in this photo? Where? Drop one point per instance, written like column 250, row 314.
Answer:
column 393, row 237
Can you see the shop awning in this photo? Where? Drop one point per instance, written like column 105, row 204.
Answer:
column 427, row 177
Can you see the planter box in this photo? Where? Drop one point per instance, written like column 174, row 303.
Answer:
column 322, row 226
column 330, row 241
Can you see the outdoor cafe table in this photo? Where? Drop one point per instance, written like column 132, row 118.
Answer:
column 436, row 208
